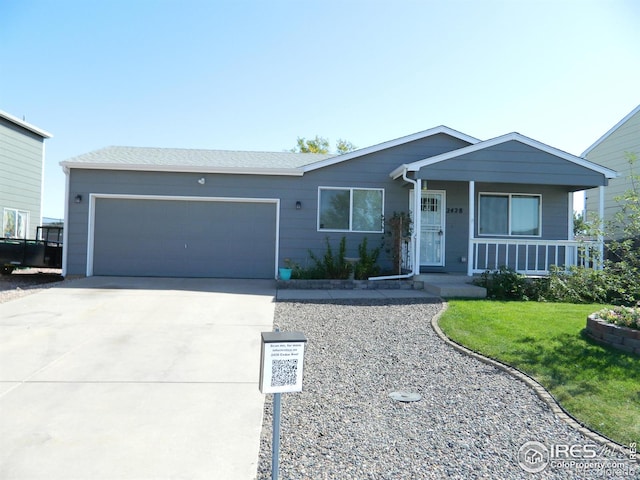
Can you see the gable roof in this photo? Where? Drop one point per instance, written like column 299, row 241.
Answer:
column 194, row 160
column 613, row 129
column 233, row 162
column 25, row 125
column 391, row 143
column 514, row 136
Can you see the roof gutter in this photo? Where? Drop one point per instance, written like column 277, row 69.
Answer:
column 413, row 236
column 292, row 172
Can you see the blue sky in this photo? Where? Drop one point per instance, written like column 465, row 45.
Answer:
column 255, row 75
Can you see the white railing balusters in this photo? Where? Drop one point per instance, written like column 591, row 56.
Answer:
column 563, row 253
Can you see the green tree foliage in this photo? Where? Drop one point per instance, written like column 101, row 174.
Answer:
column 623, row 261
column 344, row 146
column 579, row 225
column 321, row 145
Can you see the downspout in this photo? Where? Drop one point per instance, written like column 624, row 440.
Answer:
column 413, row 235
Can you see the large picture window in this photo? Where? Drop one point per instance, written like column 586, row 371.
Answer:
column 509, row 214
column 350, row 209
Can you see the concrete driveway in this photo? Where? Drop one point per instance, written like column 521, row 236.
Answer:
column 133, row 378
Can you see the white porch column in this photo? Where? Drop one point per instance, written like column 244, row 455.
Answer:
column 570, row 232
column 417, row 202
column 600, row 233
column 472, row 222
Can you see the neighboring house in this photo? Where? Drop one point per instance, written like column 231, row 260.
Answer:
column 208, row 213
column 611, row 150
column 21, row 172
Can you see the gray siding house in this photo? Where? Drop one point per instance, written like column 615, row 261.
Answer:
column 475, row 205
column 611, row 150
column 21, row 172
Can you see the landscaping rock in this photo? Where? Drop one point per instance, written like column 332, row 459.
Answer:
column 470, row 423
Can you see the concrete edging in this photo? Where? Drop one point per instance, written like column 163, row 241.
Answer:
column 540, row 391
column 350, row 284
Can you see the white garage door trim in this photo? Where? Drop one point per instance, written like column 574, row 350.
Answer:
column 92, row 215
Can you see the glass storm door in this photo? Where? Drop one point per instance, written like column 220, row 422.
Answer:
column 432, row 225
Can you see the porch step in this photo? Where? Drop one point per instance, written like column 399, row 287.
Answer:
column 451, row 286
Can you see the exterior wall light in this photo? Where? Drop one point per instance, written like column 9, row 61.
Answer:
column 298, row 205
column 78, row 199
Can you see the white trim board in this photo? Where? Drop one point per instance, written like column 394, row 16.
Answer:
column 611, row 130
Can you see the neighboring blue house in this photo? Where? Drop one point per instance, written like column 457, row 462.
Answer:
column 209, row 213
column 21, row 172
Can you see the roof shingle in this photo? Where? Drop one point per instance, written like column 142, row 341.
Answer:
column 130, row 157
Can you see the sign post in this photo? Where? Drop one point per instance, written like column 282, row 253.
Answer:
column 281, row 365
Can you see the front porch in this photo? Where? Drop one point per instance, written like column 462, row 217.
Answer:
column 504, row 202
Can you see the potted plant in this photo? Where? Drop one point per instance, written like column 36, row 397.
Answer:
column 285, row 272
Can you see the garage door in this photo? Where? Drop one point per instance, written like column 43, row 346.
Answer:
column 184, row 238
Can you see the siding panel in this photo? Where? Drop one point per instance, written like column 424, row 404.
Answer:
column 21, row 153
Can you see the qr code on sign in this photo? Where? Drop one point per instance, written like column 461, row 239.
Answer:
column 283, row 372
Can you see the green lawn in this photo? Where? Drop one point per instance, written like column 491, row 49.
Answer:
column 599, row 386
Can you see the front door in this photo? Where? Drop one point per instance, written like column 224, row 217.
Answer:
column 432, row 228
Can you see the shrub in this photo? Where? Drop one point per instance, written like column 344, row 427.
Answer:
column 330, row 266
column 398, row 229
column 507, row 284
column 579, row 285
column 367, row 265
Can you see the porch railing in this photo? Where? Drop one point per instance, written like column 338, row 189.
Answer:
column 532, row 257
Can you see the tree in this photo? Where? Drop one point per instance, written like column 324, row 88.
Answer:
column 321, row 145
column 344, row 146
column 579, row 225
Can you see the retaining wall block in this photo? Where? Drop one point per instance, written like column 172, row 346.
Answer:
column 632, row 342
column 612, row 339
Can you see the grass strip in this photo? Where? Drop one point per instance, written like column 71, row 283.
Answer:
column 599, row 386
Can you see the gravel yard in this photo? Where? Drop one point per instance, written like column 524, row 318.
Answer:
column 470, row 423
column 27, row 281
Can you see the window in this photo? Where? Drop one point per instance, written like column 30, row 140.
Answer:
column 15, row 223
column 351, row 209
column 509, row 214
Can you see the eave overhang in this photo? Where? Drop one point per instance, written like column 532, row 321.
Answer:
column 292, row 172
column 27, row 126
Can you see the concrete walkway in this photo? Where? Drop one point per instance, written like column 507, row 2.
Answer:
column 130, row 378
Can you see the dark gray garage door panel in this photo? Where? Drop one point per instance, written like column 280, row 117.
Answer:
column 176, row 238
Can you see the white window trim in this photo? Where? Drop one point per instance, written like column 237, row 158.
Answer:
column 510, row 196
column 17, row 212
column 350, row 230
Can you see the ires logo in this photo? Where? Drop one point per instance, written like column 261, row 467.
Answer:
column 573, row 452
column 534, row 457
